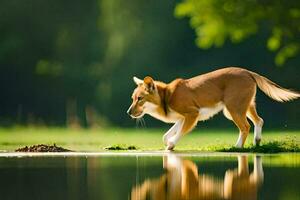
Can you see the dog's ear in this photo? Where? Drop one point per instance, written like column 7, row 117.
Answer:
column 149, row 83
column 137, row 80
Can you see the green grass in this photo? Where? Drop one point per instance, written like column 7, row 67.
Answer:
column 273, row 146
column 144, row 139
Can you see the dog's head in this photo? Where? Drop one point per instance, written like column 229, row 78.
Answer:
column 144, row 97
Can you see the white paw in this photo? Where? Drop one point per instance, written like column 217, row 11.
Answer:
column 170, row 146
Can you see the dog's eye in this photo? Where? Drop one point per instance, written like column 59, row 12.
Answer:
column 140, row 98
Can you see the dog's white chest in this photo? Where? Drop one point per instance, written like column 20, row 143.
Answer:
column 208, row 112
column 152, row 110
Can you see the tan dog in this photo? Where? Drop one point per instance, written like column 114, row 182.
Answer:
column 187, row 101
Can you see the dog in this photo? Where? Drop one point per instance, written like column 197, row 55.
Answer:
column 184, row 102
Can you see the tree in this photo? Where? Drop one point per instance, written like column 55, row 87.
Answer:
column 216, row 21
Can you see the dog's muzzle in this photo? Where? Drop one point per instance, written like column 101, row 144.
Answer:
column 129, row 110
column 133, row 114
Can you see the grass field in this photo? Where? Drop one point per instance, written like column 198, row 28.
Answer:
column 142, row 139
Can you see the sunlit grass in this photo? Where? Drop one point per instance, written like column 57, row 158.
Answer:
column 143, row 139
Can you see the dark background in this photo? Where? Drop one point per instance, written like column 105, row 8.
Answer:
column 71, row 63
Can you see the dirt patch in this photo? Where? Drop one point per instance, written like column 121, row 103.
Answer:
column 42, row 148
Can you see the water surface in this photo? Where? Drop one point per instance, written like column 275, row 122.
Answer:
column 169, row 176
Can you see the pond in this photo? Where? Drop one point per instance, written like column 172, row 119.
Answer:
column 150, row 176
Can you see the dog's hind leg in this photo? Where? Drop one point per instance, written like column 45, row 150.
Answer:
column 244, row 127
column 237, row 103
column 257, row 121
column 238, row 116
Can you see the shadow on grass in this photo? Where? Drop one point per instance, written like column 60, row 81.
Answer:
column 268, row 147
column 121, row 147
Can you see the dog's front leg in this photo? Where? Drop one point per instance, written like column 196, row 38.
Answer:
column 184, row 126
column 174, row 139
column 170, row 132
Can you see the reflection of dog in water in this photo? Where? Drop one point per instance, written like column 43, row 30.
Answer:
column 182, row 181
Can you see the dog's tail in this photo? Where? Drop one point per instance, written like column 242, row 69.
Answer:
column 273, row 90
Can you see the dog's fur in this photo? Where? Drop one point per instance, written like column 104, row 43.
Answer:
column 184, row 102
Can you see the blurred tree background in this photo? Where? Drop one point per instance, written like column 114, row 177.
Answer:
column 216, row 20
column 71, row 62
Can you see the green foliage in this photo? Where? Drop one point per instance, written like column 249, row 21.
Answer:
column 216, row 20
